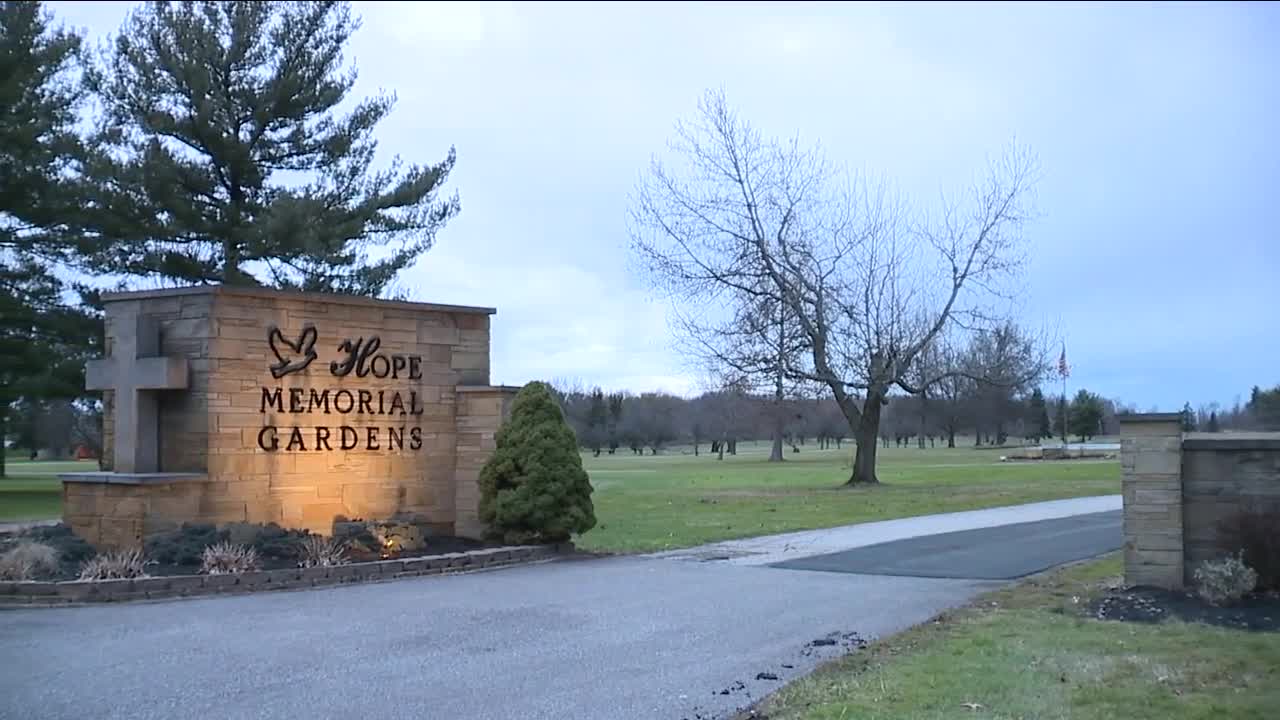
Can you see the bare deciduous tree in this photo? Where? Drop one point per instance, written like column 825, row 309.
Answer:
column 868, row 287
column 727, row 316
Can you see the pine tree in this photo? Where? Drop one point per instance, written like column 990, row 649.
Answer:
column 1213, row 422
column 1188, row 418
column 43, row 339
column 1085, row 415
column 1264, row 408
column 533, row 488
column 210, row 105
column 1039, row 411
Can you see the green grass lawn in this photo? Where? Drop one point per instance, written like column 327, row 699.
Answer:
column 32, row 491
column 1027, row 652
column 677, row 500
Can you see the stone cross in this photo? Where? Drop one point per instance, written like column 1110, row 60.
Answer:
column 134, row 371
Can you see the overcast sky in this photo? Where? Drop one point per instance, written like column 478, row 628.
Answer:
column 1157, row 256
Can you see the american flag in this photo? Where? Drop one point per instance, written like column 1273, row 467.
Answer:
column 1064, row 370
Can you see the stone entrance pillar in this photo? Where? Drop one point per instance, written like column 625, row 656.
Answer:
column 1151, row 461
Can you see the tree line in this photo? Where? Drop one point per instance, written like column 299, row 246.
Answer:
column 714, row 422
column 653, row 421
column 207, row 142
column 1261, row 412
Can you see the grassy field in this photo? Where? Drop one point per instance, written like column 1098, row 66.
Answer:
column 677, row 500
column 1027, row 652
column 32, row 490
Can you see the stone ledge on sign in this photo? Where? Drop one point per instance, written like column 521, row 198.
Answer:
column 292, row 295
column 1231, row 441
column 51, row 594
column 113, row 478
column 1149, row 417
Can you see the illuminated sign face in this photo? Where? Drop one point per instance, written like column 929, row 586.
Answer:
column 357, row 358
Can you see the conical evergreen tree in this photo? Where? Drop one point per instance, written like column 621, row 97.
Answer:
column 533, row 489
column 1040, row 415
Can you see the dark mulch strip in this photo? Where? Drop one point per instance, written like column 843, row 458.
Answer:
column 436, row 545
column 1257, row 612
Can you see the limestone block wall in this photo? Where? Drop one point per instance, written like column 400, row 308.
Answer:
column 385, row 438
column 1222, row 474
column 1179, row 488
column 481, row 411
column 308, row 487
column 120, row 515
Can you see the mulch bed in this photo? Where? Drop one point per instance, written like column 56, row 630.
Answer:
column 1256, row 612
column 436, row 545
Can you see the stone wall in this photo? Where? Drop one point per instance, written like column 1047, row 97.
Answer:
column 121, row 514
column 480, row 413
column 1222, row 474
column 1178, row 488
column 418, row 457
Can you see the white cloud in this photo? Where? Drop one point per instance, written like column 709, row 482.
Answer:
column 445, row 28
column 555, row 319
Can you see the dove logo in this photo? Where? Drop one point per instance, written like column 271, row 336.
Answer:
column 292, row 357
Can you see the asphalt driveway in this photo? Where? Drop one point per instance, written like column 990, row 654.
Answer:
column 617, row 638
column 612, row 638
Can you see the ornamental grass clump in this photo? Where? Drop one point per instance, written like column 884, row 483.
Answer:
column 228, row 557
column 28, row 560
column 119, row 565
column 318, row 551
column 1224, row 581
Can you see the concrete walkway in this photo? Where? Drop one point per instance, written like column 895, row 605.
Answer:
column 770, row 549
column 25, row 525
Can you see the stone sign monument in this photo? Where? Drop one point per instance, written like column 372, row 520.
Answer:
column 246, row 405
